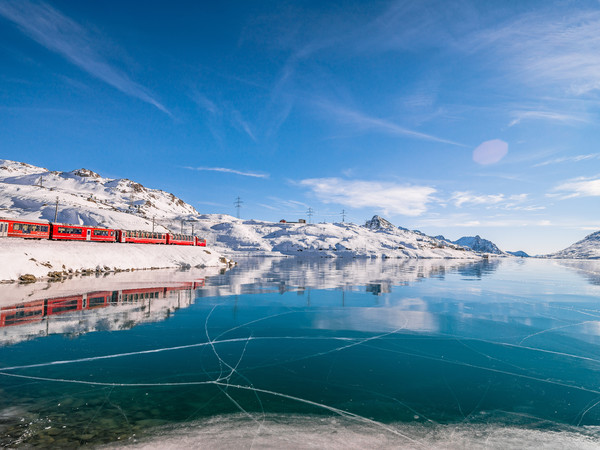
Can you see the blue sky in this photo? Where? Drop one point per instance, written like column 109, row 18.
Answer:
column 451, row 117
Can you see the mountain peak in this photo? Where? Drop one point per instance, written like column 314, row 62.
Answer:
column 379, row 223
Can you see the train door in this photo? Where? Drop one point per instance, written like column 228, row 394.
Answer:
column 3, row 229
column 88, row 234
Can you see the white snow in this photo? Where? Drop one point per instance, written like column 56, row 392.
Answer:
column 22, row 256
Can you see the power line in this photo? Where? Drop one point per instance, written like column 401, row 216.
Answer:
column 343, row 215
column 238, row 204
column 310, row 213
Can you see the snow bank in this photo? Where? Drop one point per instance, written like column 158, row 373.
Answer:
column 21, row 256
column 309, row 432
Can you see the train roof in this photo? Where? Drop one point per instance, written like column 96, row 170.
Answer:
column 13, row 219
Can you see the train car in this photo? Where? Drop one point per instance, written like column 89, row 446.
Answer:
column 67, row 232
column 141, row 237
column 21, row 314
column 135, row 295
column 24, row 229
column 200, row 242
column 99, row 299
column 180, row 239
column 61, row 305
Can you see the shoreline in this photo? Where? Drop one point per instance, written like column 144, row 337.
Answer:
column 53, row 260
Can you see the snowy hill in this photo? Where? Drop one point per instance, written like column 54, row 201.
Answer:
column 85, row 197
column 520, row 254
column 323, row 239
column 587, row 248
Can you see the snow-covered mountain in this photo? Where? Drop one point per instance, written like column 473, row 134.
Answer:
column 520, row 254
column 478, row 244
column 84, row 197
column 587, row 248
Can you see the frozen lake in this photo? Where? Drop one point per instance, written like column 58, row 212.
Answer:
column 326, row 353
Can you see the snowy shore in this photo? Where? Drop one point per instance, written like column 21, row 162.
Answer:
column 39, row 258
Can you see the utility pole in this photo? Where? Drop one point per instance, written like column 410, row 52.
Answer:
column 192, row 228
column 238, row 204
column 56, row 210
column 343, row 215
column 182, row 226
column 41, row 181
column 310, row 213
column 153, row 223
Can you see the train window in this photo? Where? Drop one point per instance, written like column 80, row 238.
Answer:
column 95, row 301
column 112, row 233
column 16, row 226
column 45, row 228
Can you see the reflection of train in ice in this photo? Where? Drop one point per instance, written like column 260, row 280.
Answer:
column 37, row 310
column 62, row 232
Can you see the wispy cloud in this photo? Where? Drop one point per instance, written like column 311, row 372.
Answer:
column 578, row 187
column 547, row 48
column 519, row 116
column 60, row 34
column 515, row 202
column 226, row 170
column 390, row 198
column 576, row 158
column 362, row 121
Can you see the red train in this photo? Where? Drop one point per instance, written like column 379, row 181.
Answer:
column 37, row 310
column 61, row 231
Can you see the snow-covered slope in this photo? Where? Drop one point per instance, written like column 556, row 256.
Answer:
column 323, row 239
column 86, row 198
column 587, row 248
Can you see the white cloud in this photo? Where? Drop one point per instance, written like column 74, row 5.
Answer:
column 466, row 197
column 390, row 198
column 490, row 152
column 226, row 170
column 579, row 187
column 493, row 201
column 60, row 34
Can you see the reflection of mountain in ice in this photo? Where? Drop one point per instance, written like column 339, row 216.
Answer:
column 589, row 269
column 256, row 274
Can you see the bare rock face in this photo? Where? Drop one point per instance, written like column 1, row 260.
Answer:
column 86, row 173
